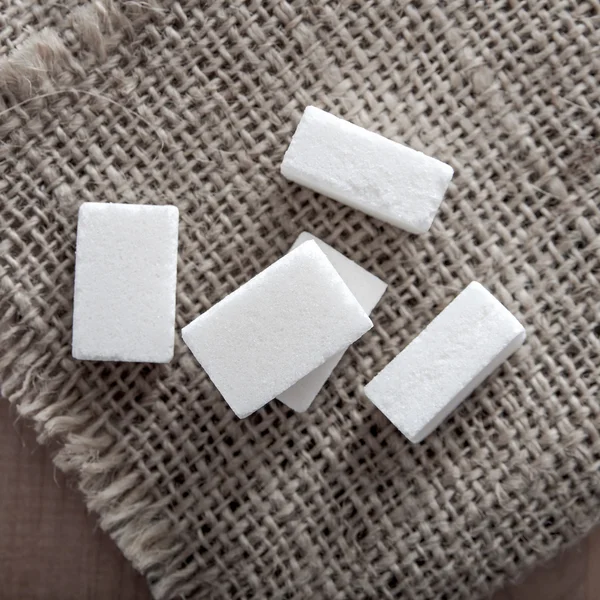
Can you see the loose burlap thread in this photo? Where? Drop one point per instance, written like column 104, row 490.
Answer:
column 194, row 103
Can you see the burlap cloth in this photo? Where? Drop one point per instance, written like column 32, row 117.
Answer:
column 194, row 103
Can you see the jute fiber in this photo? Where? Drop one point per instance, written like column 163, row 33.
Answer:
column 193, row 103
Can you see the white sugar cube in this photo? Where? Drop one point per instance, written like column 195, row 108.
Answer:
column 366, row 288
column 366, row 171
column 276, row 328
column 125, row 278
column 470, row 338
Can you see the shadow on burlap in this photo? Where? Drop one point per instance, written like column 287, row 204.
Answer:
column 193, row 104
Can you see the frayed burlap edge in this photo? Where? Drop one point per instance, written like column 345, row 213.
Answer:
column 44, row 66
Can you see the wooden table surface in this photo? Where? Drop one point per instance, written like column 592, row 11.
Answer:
column 50, row 548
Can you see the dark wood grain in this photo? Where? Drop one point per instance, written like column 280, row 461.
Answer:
column 564, row 578
column 51, row 549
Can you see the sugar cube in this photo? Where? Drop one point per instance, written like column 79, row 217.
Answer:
column 468, row 340
column 276, row 328
column 125, row 278
column 366, row 171
column 367, row 289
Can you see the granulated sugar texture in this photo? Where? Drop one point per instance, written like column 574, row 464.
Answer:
column 276, row 328
column 125, row 277
column 365, row 170
column 468, row 340
column 366, row 288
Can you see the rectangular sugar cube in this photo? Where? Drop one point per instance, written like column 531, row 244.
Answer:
column 366, row 171
column 125, row 278
column 366, row 288
column 276, row 328
column 470, row 338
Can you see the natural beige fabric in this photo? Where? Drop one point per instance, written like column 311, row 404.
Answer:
column 193, row 103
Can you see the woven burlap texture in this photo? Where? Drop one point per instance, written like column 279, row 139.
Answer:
column 193, row 104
